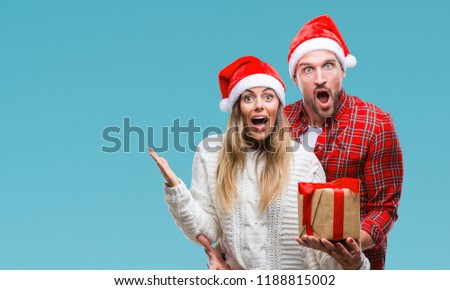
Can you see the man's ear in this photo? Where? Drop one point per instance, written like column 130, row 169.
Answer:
column 295, row 80
column 344, row 73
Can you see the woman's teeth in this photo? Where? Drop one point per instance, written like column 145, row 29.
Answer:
column 259, row 120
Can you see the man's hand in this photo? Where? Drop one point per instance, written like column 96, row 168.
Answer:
column 215, row 260
column 366, row 241
column 347, row 253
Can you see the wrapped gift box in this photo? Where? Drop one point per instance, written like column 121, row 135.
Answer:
column 329, row 210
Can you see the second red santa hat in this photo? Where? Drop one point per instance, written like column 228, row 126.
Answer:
column 245, row 73
column 319, row 33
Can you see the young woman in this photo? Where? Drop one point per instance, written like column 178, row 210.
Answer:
column 244, row 183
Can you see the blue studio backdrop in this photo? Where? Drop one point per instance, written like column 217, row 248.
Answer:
column 86, row 86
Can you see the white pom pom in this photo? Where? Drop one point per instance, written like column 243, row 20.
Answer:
column 350, row 61
column 224, row 105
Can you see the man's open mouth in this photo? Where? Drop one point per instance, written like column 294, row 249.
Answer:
column 323, row 96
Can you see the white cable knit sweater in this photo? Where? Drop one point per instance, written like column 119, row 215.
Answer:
column 250, row 239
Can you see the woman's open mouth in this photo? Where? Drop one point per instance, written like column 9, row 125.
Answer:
column 259, row 122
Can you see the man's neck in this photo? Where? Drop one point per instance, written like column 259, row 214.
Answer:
column 313, row 120
column 315, row 123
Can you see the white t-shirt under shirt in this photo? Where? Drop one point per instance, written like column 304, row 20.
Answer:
column 309, row 138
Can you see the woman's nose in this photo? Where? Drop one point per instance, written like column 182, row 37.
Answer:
column 259, row 103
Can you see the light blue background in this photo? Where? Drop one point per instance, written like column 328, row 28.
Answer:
column 69, row 69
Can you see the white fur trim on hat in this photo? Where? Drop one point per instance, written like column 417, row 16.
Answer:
column 251, row 81
column 318, row 44
column 350, row 61
column 225, row 105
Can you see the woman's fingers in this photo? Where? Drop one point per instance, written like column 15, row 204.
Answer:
column 343, row 251
column 348, row 256
column 354, row 246
column 311, row 242
column 204, row 241
column 158, row 161
column 329, row 246
column 216, row 262
column 163, row 162
column 166, row 171
column 155, row 156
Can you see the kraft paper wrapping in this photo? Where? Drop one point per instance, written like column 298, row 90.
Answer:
column 334, row 211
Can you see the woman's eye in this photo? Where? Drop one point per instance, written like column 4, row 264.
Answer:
column 248, row 99
column 268, row 97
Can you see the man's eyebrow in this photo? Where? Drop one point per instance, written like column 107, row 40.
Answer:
column 325, row 61
column 303, row 64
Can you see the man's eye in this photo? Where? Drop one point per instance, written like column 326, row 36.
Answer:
column 328, row 65
column 308, row 70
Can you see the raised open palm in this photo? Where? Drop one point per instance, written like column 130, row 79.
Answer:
column 170, row 177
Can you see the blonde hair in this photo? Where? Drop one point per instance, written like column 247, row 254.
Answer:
column 274, row 152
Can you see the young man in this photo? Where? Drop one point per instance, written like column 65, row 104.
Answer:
column 351, row 137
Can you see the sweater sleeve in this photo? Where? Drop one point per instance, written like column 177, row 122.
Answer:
column 318, row 260
column 193, row 210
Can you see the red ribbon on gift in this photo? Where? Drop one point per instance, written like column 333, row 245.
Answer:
column 308, row 188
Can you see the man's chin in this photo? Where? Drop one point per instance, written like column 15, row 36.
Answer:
column 326, row 114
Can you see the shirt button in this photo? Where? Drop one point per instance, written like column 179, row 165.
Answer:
column 319, row 147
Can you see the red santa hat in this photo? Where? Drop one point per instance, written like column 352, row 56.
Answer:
column 319, row 33
column 245, row 73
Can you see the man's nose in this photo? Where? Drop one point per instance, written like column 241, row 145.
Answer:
column 320, row 78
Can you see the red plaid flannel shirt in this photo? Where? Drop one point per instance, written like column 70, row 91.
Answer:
column 360, row 141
